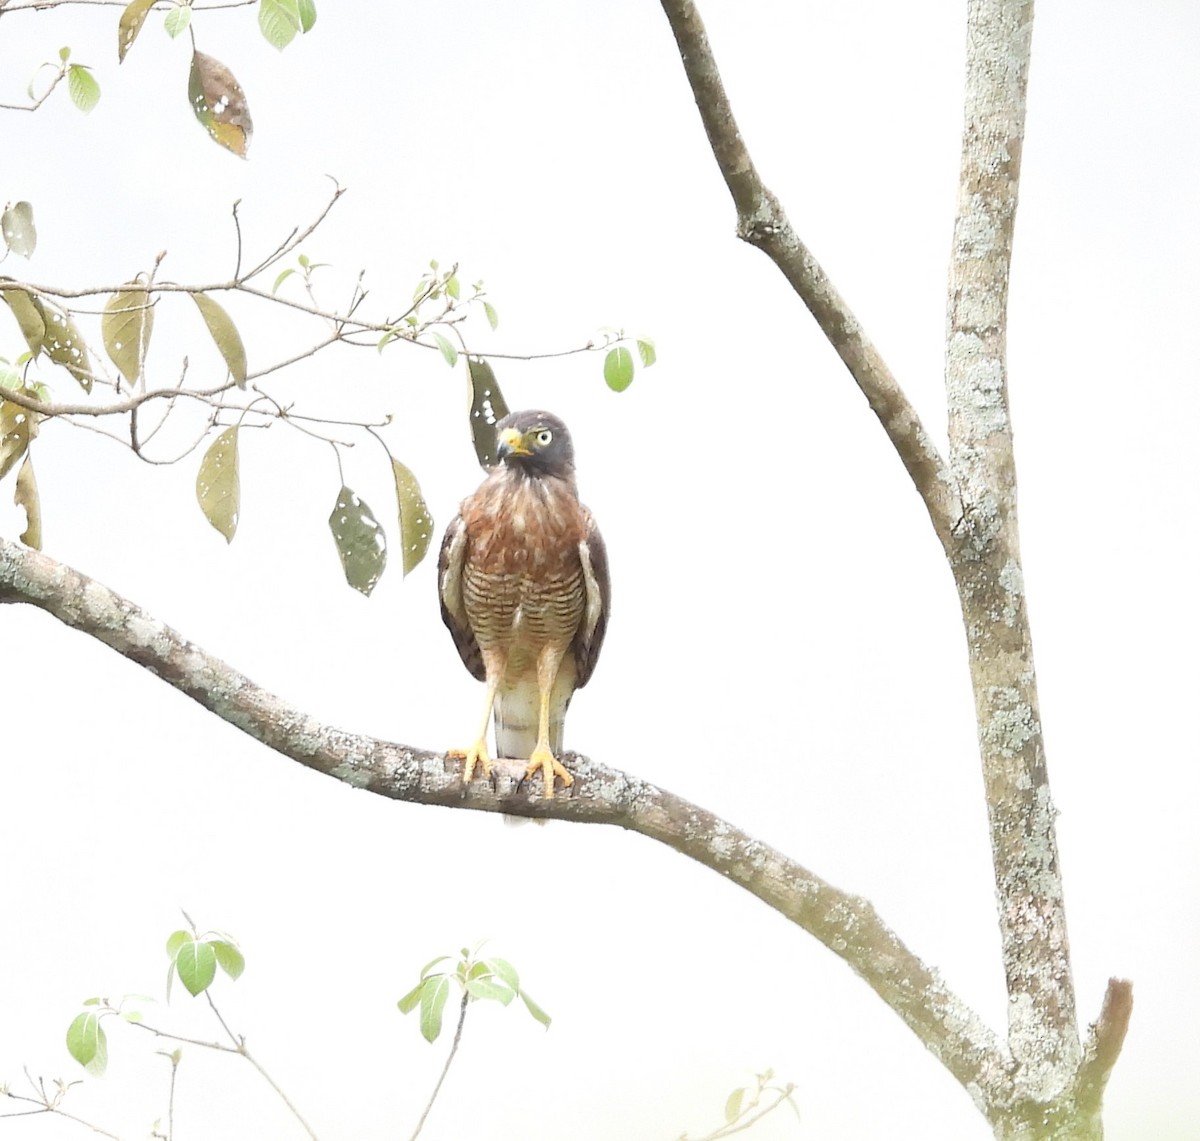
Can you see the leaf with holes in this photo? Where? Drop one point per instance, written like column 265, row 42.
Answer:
column 16, row 224
column 26, row 496
column 219, row 103
column 279, row 21
column 218, row 486
column 416, row 524
column 224, row 333
column 82, row 85
column 125, row 328
column 361, row 544
column 618, row 369
column 87, row 1042
column 27, row 309
column 130, row 24
column 64, row 346
column 17, row 427
column 487, row 406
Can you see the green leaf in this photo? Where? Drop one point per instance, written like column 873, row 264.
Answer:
column 229, row 958
column 416, row 524
column 489, row 987
column 196, row 962
column 17, row 427
column 64, row 54
column 452, row 286
column 308, row 15
column 176, row 940
column 28, row 311
column 647, row 353
column 218, row 486
column 85, row 91
column 505, row 970
column 64, row 346
column 281, row 279
column 487, row 406
column 409, row 1002
column 448, row 351
column 433, row 1002
column 26, row 497
column 20, row 234
column 224, row 333
column 733, row 1105
column 130, row 24
column 125, row 327
column 219, row 103
column 279, row 21
column 493, row 317
column 87, row 1042
column 618, row 369
column 360, row 541
column 433, row 963
column 177, row 20
column 539, row 1015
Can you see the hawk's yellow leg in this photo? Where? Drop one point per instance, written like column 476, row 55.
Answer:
column 477, row 754
column 542, row 756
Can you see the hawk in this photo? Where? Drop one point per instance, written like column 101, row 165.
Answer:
column 523, row 581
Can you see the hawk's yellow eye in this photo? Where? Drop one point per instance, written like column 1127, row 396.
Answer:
column 544, row 437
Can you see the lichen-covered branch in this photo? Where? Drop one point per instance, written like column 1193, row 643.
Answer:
column 762, row 222
column 846, row 924
column 1043, row 1034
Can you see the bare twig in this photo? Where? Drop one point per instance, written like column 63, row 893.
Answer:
column 762, row 222
column 462, row 1018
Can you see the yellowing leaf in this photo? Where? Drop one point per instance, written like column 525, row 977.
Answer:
column 125, row 328
column 17, row 427
column 361, row 544
column 487, row 406
column 416, row 524
column 130, row 25
column 224, row 333
column 16, row 225
column 64, row 346
column 28, row 312
column 26, row 496
column 218, row 487
column 219, row 103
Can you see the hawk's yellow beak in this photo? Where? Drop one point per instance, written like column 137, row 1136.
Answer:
column 512, row 443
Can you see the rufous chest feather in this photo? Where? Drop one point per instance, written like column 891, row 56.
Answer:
column 521, row 526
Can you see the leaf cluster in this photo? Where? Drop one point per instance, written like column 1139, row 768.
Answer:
column 478, row 979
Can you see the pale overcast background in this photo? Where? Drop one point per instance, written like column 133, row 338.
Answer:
column 805, row 676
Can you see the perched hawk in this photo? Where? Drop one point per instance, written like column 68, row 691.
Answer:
column 523, row 579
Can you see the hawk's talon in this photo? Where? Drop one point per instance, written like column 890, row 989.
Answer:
column 543, row 760
column 476, row 755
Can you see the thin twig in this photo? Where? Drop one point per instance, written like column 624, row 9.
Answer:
column 462, row 1017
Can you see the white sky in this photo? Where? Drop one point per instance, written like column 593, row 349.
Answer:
column 806, row 679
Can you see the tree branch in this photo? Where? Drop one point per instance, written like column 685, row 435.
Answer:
column 762, row 222
column 1043, row 1035
column 846, row 924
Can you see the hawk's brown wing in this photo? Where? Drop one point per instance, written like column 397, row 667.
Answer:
column 590, row 635
column 454, row 611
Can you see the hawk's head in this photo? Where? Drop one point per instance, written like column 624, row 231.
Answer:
column 535, row 443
